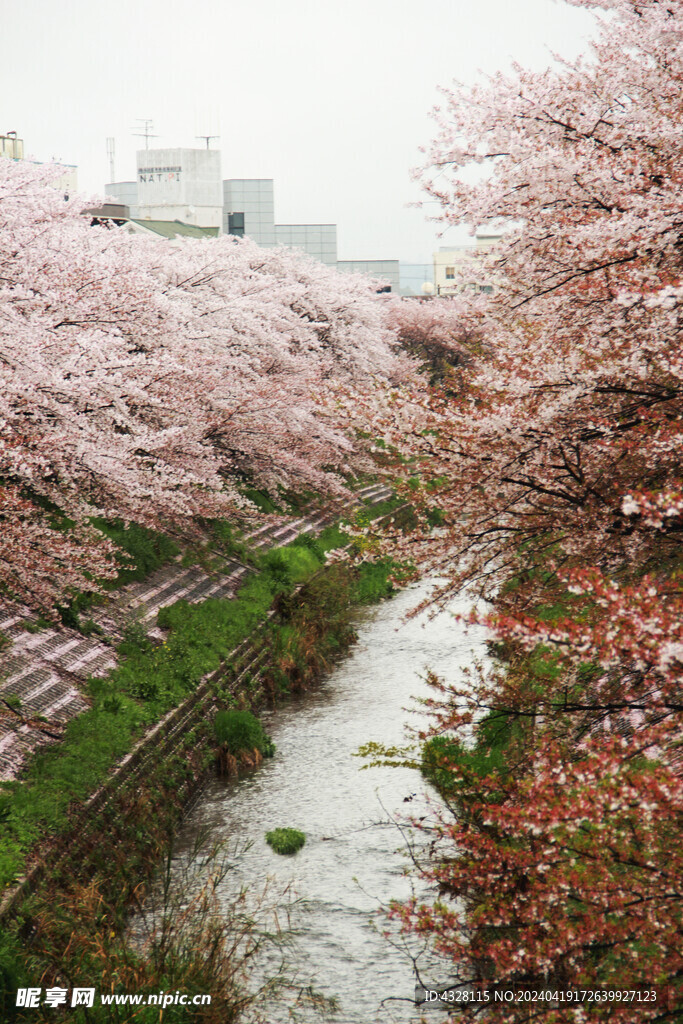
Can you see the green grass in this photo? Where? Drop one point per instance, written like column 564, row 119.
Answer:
column 382, row 508
column 435, row 516
column 60, row 775
column 373, row 581
column 150, row 680
column 543, row 663
column 13, row 974
column 239, row 731
column 290, row 565
column 285, row 841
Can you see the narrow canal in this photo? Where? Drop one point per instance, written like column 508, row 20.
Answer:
column 355, row 856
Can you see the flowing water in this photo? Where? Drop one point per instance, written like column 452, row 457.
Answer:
column 355, row 856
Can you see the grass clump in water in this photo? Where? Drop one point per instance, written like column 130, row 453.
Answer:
column 243, row 743
column 240, row 731
column 285, row 840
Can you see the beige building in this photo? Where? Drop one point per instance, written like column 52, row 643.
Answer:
column 67, row 180
column 11, row 146
column 459, row 269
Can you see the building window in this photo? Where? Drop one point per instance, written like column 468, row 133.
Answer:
column 236, row 224
column 450, row 273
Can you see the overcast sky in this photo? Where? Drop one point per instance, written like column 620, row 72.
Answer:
column 331, row 99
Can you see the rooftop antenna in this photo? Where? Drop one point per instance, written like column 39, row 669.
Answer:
column 146, row 133
column 208, row 138
column 110, row 157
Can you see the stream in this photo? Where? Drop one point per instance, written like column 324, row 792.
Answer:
column 355, row 857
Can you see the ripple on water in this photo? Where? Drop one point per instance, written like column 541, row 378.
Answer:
column 355, row 856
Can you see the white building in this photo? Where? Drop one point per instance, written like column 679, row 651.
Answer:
column 249, row 209
column 174, row 184
column 382, row 270
column 125, row 192
column 414, row 277
column 183, row 185
column 318, row 240
column 67, row 181
column 119, row 214
column 458, row 269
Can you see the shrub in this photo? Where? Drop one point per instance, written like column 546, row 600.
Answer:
column 285, row 841
column 290, row 565
column 276, row 565
column 240, row 731
column 373, row 583
column 449, row 765
column 312, row 543
column 262, row 500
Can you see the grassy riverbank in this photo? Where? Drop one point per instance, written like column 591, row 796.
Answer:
column 310, row 628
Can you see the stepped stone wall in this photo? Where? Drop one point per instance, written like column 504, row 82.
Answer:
column 42, row 674
column 170, row 738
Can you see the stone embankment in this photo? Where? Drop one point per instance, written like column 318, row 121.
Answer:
column 42, row 672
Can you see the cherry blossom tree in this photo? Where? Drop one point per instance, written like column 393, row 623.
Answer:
column 557, row 469
column 567, row 877
column 439, row 334
column 146, row 381
column 577, row 404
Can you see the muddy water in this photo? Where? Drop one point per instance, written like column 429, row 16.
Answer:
column 355, row 856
